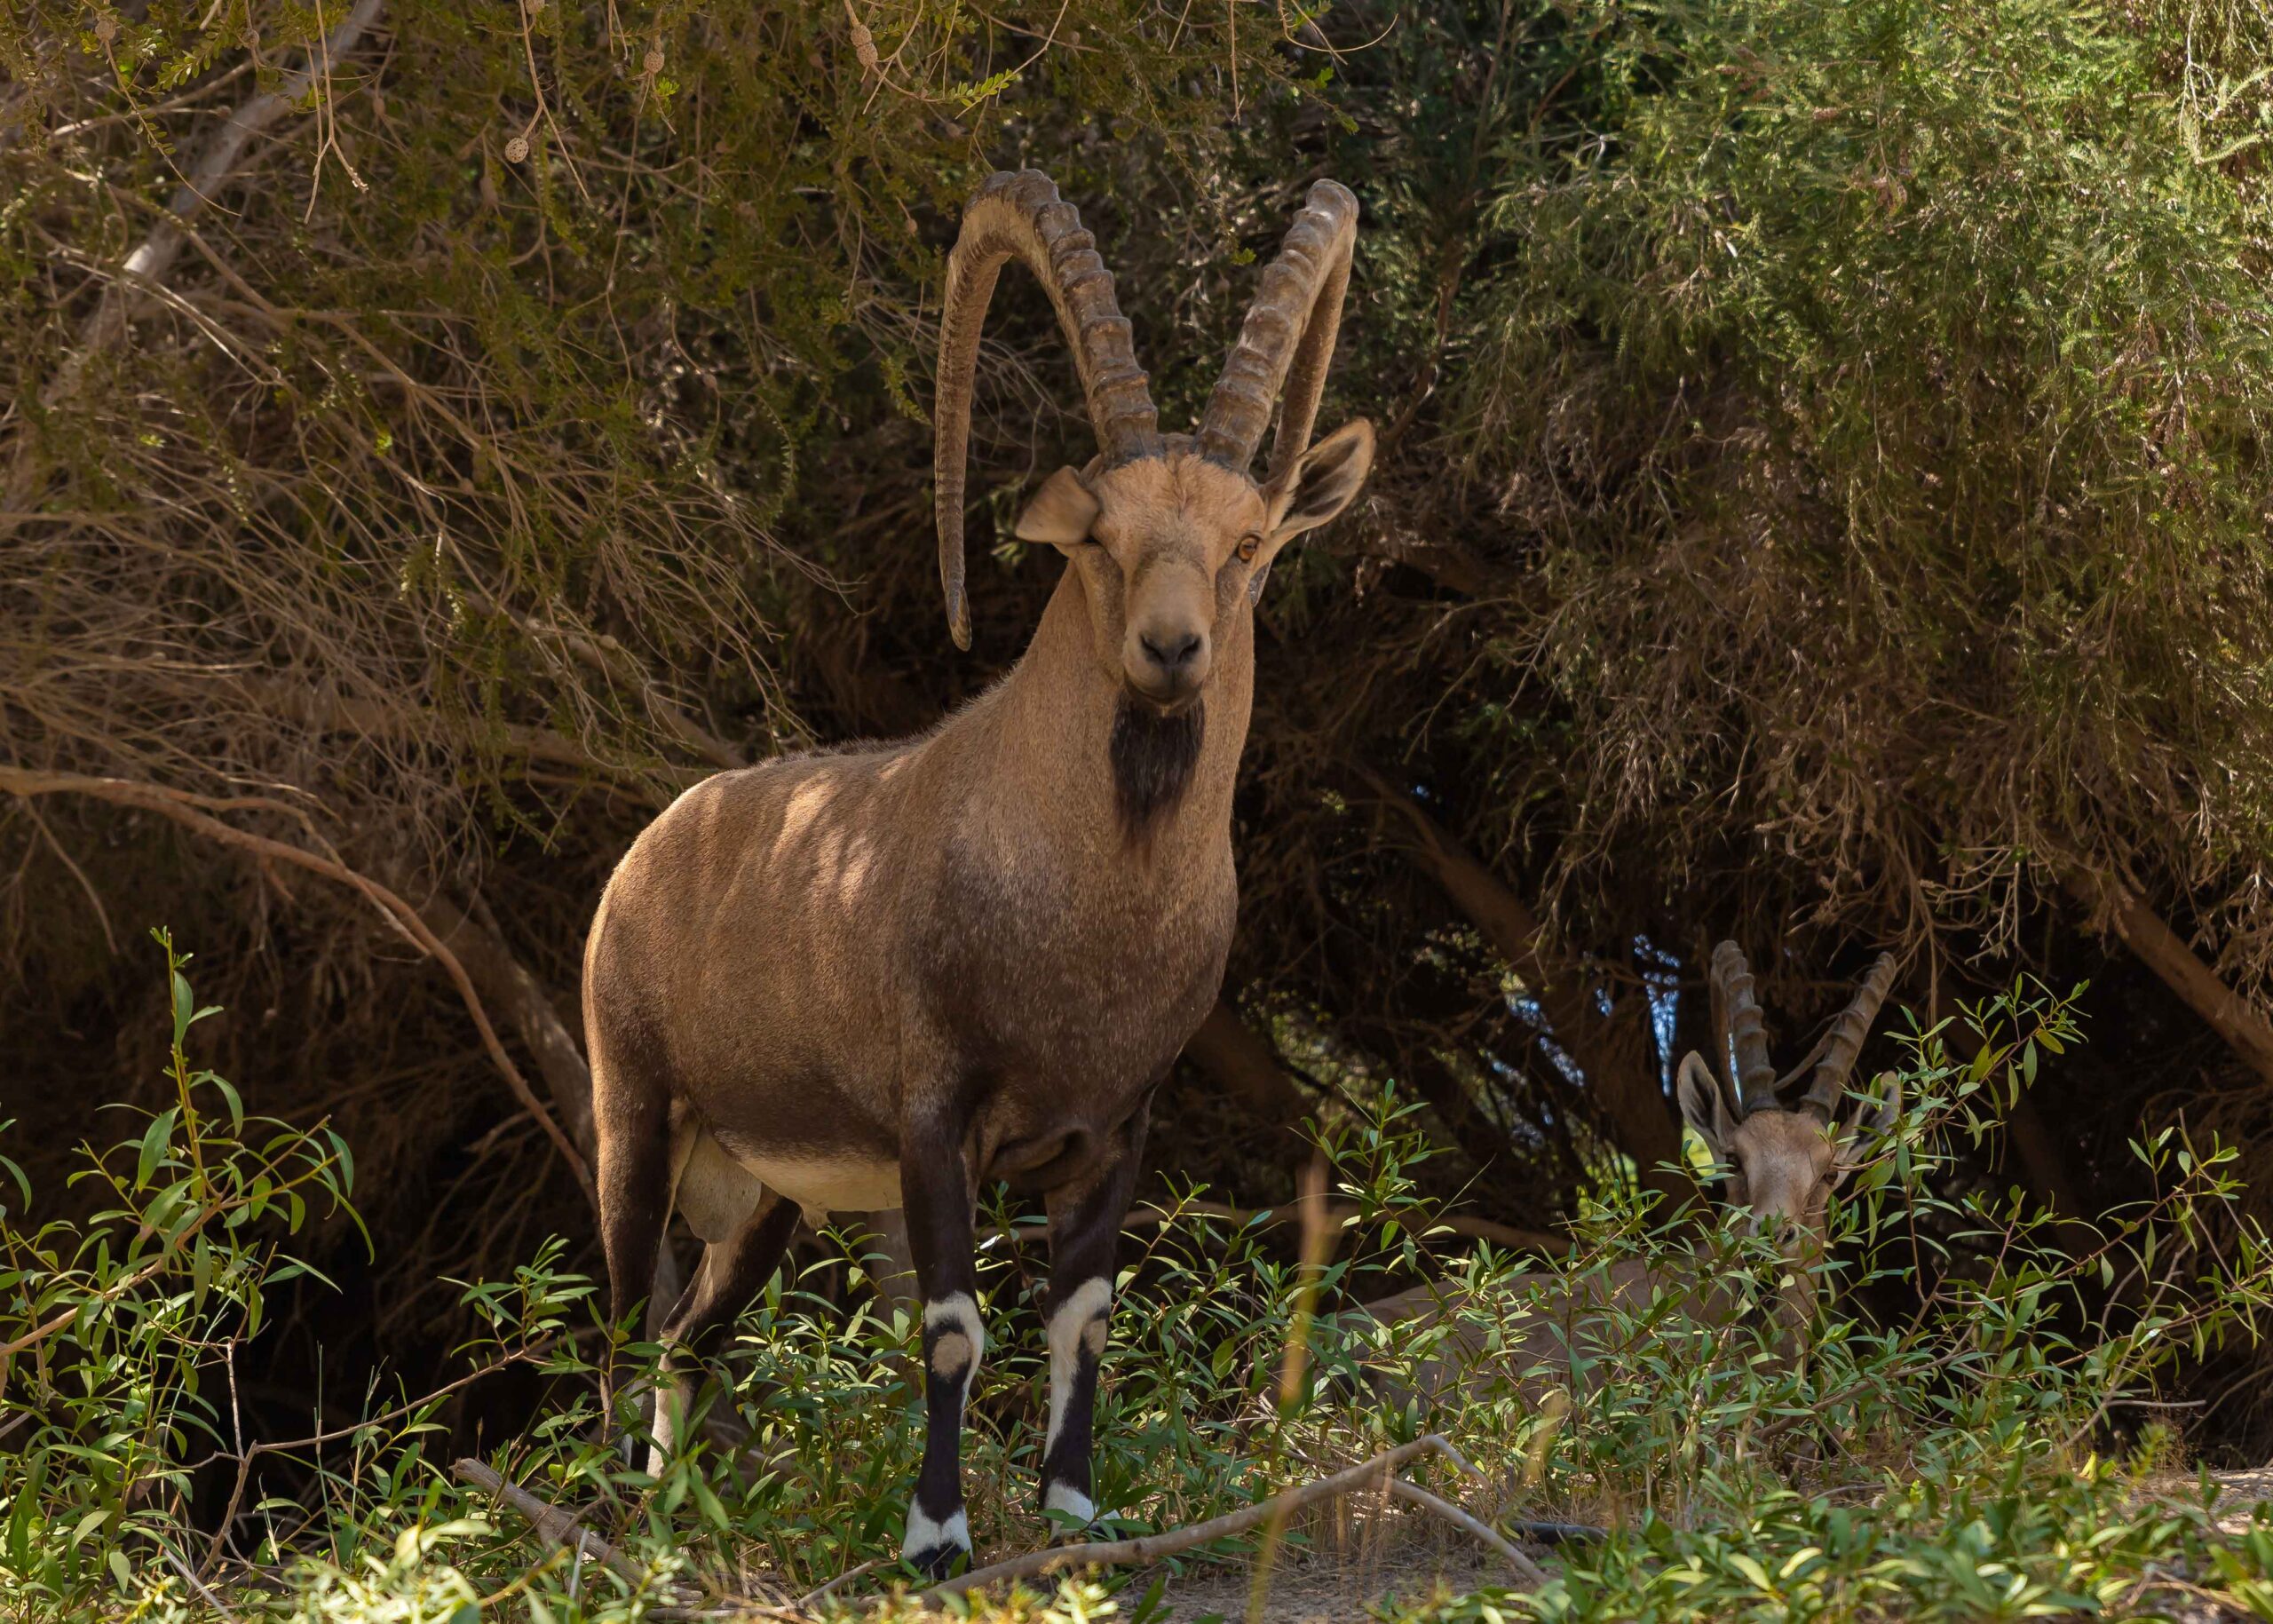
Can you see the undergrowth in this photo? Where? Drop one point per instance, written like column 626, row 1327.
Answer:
column 1980, row 1426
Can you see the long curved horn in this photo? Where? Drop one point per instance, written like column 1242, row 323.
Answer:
column 1021, row 216
column 1845, row 1039
column 1742, row 1033
column 1287, row 338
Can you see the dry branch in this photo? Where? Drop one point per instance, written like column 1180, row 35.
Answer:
column 552, row 1524
column 2162, row 950
column 1239, row 1058
column 1473, row 1229
column 1525, row 1568
column 193, row 811
column 1151, row 1547
column 1607, row 1047
column 505, row 982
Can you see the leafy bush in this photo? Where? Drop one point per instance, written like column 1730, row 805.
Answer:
column 1970, row 1454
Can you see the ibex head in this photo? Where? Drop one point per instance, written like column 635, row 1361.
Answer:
column 1170, row 534
column 1785, row 1161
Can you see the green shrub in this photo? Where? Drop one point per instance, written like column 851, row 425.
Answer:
column 1961, row 1458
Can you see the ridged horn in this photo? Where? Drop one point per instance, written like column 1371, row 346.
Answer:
column 1019, row 215
column 1845, row 1039
column 1287, row 338
column 1742, row 1035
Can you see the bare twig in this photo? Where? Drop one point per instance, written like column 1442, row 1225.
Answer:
column 1526, row 1569
column 551, row 1524
column 196, row 1583
column 811, row 1597
column 1152, row 1547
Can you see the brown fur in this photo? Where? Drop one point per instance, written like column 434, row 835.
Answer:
column 798, row 958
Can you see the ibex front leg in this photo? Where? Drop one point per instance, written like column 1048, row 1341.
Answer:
column 936, row 1191
column 1085, row 1221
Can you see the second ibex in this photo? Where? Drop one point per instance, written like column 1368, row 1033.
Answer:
column 876, row 977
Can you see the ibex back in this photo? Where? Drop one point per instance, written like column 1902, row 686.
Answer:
column 876, row 977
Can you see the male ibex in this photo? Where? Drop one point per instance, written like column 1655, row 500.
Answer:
column 1784, row 1164
column 874, row 977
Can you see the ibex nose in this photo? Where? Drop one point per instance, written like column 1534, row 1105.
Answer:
column 1171, row 651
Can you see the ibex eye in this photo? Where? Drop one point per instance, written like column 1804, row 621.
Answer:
column 1247, row 545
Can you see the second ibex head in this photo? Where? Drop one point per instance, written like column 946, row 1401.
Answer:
column 1785, row 1160
column 1168, row 532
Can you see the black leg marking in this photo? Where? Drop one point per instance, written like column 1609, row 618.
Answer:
column 935, row 1187
column 1084, row 1236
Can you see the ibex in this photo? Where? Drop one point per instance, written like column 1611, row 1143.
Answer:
column 1784, row 1163
column 874, row 977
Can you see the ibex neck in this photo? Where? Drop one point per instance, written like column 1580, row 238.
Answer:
column 1055, row 717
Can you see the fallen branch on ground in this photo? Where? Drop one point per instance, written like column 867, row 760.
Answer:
column 1525, row 1568
column 552, row 1524
column 1152, row 1547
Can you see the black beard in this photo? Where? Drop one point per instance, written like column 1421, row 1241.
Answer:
column 1152, row 760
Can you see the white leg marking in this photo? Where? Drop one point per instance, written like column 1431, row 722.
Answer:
column 953, row 1316
column 1091, row 1300
column 924, row 1535
column 1064, row 1497
column 671, row 1400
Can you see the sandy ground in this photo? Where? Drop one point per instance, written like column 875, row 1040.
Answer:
column 2244, row 1491
column 1322, row 1589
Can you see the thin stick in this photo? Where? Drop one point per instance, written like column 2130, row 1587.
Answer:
column 1152, row 1547
column 1318, row 1245
column 197, row 1584
column 551, row 1523
column 181, row 806
column 1525, row 1568
column 845, row 1578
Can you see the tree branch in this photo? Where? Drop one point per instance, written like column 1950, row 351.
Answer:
column 1126, row 1553
column 1607, row 1047
column 193, row 811
column 2162, row 950
column 214, row 170
column 505, row 982
column 1246, row 1066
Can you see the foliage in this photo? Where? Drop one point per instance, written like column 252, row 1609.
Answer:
column 1956, row 1461
column 1886, row 384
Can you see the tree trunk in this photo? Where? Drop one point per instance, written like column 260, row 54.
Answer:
column 2246, row 1030
column 1243, row 1062
column 1612, row 1050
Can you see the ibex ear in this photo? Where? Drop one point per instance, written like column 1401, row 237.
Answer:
column 1870, row 1121
column 1703, row 1105
column 1061, row 514
column 1321, row 483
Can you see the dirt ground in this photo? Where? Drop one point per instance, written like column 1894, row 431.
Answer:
column 1322, row 1589
column 1347, row 1567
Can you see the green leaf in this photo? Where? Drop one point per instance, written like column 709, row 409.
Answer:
column 155, row 1139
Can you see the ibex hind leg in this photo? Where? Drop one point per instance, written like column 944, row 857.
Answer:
column 1085, row 1220
column 639, row 1161
column 734, row 1271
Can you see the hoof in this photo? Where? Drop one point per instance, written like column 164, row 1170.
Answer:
column 1071, row 1514
column 938, row 1562
column 934, row 1548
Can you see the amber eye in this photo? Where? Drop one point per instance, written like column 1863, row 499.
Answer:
column 1247, row 545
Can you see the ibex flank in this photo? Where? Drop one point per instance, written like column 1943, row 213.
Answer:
column 875, row 977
